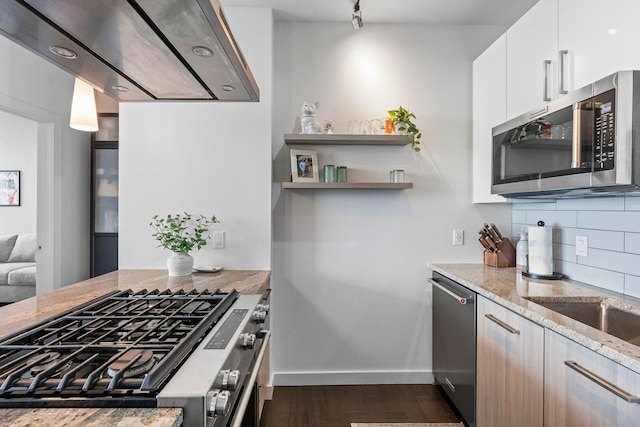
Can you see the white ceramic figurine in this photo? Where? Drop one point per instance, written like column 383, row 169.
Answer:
column 309, row 122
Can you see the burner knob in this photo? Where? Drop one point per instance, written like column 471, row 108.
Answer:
column 230, row 379
column 219, row 402
column 247, row 340
column 259, row 316
column 263, row 307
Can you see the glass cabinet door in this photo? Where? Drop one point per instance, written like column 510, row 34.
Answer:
column 106, row 190
column 104, row 209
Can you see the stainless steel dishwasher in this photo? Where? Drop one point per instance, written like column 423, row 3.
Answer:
column 454, row 343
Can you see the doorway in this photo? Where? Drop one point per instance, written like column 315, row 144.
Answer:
column 48, row 224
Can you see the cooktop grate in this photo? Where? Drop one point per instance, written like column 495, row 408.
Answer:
column 121, row 344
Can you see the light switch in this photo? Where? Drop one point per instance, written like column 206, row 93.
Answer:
column 581, row 245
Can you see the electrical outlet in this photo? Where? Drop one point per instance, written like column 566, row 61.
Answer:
column 581, row 246
column 458, row 237
column 218, row 239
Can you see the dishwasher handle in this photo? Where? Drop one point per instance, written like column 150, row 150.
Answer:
column 462, row 299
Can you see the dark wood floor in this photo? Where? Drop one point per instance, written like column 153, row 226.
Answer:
column 329, row 406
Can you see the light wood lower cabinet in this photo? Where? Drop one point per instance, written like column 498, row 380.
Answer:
column 510, row 368
column 582, row 388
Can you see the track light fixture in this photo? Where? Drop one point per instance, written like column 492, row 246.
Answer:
column 356, row 18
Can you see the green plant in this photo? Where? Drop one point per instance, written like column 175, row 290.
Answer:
column 182, row 232
column 403, row 116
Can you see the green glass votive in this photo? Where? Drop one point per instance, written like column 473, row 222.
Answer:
column 341, row 173
column 329, row 173
column 396, row 176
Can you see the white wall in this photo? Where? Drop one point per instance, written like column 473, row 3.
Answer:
column 351, row 302
column 203, row 158
column 18, row 151
column 34, row 88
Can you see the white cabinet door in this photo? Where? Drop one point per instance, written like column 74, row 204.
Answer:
column 600, row 38
column 531, row 41
column 489, row 97
column 510, row 368
column 586, row 398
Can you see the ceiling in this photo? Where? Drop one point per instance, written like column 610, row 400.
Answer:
column 463, row 12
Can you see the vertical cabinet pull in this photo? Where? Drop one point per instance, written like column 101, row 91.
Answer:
column 563, row 56
column 546, row 64
column 500, row 323
column 602, row 382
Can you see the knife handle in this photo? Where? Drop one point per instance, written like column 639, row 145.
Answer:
column 491, row 243
column 498, row 233
column 492, row 235
column 484, row 244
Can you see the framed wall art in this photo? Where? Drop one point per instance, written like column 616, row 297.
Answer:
column 304, row 166
column 9, row 188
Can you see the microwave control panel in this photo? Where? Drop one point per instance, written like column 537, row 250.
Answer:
column 604, row 144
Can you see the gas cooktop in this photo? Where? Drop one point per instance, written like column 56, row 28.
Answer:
column 124, row 346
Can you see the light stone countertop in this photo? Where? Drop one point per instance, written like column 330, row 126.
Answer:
column 36, row 309
column 507, row 287
column 92, row 417
column 21, row 314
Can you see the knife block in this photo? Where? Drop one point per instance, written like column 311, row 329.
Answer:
column 505, row 257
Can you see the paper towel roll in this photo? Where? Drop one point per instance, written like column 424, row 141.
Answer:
column 541, row 250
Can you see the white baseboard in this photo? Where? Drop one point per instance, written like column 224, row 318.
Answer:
column 352, row 378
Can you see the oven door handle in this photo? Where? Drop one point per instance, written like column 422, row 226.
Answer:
column 246, row 396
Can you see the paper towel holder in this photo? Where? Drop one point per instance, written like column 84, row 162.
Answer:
column 554, row 276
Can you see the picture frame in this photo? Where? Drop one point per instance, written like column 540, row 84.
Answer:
column 9, row 188
column 304, row 166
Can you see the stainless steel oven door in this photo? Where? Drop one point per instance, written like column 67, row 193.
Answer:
column 246, row 412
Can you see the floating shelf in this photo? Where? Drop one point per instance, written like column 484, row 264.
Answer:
column 347, row 185
column 344, row 139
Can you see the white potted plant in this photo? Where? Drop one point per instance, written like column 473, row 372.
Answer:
column 180, row 233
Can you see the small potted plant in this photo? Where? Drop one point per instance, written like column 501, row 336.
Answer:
column 180, row 233
column 401, row 119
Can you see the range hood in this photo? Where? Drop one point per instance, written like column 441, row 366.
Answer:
column 136, row 50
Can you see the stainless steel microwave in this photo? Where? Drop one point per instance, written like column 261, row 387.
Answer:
column 585, row 143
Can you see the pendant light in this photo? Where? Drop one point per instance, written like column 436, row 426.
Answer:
column 84, row 116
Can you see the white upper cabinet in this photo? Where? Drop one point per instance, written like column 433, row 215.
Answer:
column 489, row 94
column 557, row 46
column 599, row 37
column 532, row 59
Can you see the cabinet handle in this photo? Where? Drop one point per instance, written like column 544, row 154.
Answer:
column 602, row 382
column 545, row 72
column 509, row 328
column 563, row 56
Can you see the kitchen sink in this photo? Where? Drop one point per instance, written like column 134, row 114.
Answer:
column 619, row 323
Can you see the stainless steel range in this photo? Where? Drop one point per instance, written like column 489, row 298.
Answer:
column 196, row 350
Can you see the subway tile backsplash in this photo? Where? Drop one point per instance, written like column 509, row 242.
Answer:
column 612, row 228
